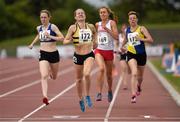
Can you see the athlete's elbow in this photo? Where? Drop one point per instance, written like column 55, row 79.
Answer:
column 116, row 37
column 65, row 41
column 151, row 40
column 60, row 38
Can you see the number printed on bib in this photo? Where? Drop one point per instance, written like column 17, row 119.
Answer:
column 85, row 35
column 102, row 39
column 42, row 35
column 132, row 39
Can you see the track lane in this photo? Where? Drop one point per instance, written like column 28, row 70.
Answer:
column 160, row 107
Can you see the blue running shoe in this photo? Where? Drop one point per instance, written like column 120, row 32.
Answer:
column 82, row 106
column 99, row 97
column 88, row 101
column 110, row 96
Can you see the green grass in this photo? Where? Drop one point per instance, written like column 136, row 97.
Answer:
column 163, row 26
column 17, row 41
column 11, row 44
column 174, row 81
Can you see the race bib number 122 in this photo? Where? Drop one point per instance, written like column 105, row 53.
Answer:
column 85, row 35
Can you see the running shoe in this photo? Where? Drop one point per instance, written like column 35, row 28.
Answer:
column 82, row 106
column 110, row 96
column 138, row 90
column 45, row 101
column 99, row 97
column 133, row 99
column 88, row 101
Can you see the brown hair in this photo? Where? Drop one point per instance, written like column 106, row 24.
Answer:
column 132, row 13
column 111, row 13
column 46, row 11
column 76, row 10
column 108, row 9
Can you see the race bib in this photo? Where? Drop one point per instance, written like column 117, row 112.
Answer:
column 85, row 35
column 102, row 39
column 132, row 39
column 42, row 35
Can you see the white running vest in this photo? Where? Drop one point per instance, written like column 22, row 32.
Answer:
column 105, row 40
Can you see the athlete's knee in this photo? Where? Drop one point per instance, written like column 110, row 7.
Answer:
column 86, row 74
column 79, row 80
column 140, row 79
column 101, row 70
column 134, row 75
column 53, row 76
column 109, row 77
column 124, row 69
column 44, row 76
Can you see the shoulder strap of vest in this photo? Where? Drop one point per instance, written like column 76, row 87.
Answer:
column 49, row 27
column 75, row 28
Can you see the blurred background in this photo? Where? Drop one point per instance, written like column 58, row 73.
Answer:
column 19, row 18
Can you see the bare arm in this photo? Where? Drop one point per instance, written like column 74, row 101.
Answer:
column 69, row 34
column 122, row 47
column 34, row 41
column 94, row 35
column 114, row 31
column 147, row 35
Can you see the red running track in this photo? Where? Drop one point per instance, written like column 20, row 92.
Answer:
column 21, row 97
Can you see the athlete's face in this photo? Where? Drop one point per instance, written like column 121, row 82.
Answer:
column 133, row 19
column 80, row 15
column 103, row 13
column 44, row 18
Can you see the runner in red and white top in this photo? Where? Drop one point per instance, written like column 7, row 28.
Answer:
column 107, row 34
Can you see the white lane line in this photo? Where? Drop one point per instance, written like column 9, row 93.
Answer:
column 15, row 69
column 20, row 88
column 113, row 100
column 33, row 83
column 18, row 76
column 93, row 119
column 54, row 98
column 175, row 95
column 40, row 107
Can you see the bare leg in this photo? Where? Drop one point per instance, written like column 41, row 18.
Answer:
column 87, row 70
column 100, row 77
column 133, row 67
column 44, row 70
column 54, row 70
column 140, row 74
column 109, row 66
column 124, row 72
column 140, row 78
column 79, row 80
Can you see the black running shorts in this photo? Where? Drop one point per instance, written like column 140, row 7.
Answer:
column 79, row 59
column 140, row 58
column 51, row 57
